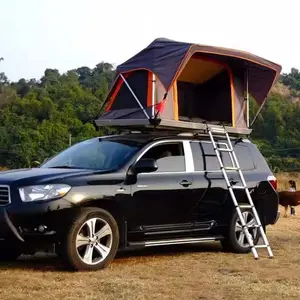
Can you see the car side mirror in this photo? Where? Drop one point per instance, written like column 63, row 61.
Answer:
column 145, row 165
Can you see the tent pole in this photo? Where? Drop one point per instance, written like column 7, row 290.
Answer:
column 258, row 112
column 153, row 94
column 247, row 95
column 135, row 97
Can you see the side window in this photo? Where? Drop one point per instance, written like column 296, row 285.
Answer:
column 205, row 157
column 169, row 157
column 244, row 157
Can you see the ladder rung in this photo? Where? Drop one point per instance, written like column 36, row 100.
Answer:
column 218, row 130
column 231, row 168
column 261, row 246
column 224, row 150
column 238, row 187
column 245, row 206
column 253, row 226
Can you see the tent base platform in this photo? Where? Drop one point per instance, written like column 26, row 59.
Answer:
column 169, row 125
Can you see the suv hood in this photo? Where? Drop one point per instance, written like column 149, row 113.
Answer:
column 37, row 175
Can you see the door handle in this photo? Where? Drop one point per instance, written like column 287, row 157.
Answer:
column 185, row 183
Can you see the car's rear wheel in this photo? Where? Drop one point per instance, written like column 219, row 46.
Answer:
column 91, row 240
column 235, row 238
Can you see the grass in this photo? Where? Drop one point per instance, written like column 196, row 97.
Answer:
column 200, row 272
column 186, row 272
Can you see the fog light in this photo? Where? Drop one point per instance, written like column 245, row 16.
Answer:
column 42, row 228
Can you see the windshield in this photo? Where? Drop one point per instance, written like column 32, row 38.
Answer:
column 95, row 154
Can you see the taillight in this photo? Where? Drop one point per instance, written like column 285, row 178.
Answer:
column 273, row 181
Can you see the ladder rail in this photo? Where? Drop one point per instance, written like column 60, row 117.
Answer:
column 263, row 235
column 242, row 220
column 233, row 197
column 256, row 216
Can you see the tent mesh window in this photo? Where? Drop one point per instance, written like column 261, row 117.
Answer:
column 204, row 92
column 138, row 82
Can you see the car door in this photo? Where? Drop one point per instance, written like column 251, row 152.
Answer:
column 163, row 197
column 208, row 176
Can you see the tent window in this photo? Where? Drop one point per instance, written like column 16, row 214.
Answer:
column 138, row 81
column 204, row 92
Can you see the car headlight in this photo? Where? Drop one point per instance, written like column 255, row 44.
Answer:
column 43, row 192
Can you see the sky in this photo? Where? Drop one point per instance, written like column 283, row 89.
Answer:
column 66, row 34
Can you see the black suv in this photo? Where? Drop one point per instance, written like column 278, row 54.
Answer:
column 132, row 190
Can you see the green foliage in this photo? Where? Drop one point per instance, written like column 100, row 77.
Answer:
column 38, row 117
column 277, row 129
column 291, row 79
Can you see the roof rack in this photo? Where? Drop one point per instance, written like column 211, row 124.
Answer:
column 182, row 128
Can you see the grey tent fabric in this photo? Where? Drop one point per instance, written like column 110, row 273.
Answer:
column 178, row 84
column 165, row 58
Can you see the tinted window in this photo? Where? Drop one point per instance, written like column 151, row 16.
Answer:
column 169, row 157
column 205, row 157
column 244, row 157
column 95, row 154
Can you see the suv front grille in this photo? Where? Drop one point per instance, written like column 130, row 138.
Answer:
column 4, row 195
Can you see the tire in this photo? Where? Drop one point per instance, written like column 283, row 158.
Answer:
column 81, row 248
column 9, row 252
column 235, row 241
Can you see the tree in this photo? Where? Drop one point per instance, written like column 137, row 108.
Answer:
column 38, row 115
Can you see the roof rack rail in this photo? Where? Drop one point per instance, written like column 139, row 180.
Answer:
column 182, row 127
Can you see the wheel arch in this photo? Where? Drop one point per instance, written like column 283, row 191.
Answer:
column 115, row 210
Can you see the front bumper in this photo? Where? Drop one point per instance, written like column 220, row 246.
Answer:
column 7, row 229
column 18, row 221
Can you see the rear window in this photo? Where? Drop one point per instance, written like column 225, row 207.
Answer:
column 205, row 157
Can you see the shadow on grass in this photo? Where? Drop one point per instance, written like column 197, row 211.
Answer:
column 52, row 263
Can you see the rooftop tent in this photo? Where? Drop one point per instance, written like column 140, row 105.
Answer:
column 172, row 84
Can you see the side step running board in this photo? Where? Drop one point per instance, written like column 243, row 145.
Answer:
column 174, row 241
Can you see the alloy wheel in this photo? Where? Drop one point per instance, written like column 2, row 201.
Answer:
column 240, row 235
column 94, row 241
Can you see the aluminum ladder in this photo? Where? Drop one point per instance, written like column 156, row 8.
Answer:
column 222, row 131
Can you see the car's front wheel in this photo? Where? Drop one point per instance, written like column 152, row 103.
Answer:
column 91, row 240
column 235, row 238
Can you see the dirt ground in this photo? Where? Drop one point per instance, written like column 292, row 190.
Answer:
column 187, row 272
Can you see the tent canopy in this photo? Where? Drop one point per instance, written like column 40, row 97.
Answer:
column 196, row 83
